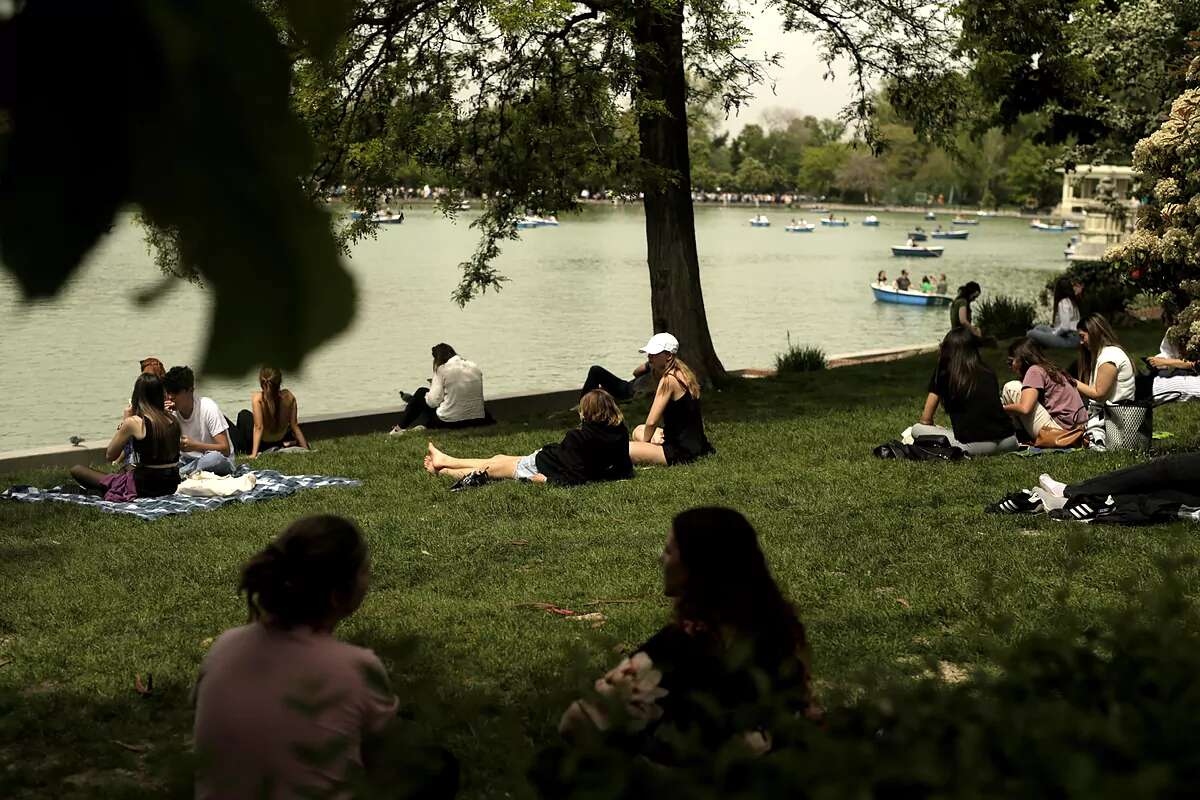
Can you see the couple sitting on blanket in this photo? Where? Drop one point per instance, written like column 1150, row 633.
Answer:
column 601, row 449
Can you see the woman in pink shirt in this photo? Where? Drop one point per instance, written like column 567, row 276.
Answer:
column 282, row 707
column 1045, row 396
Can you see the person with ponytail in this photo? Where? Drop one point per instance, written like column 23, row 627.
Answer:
column 970, row 393
column 674, row 429
column 733, row 662
column 272, row 416
column 281, row 686
column 154, row 435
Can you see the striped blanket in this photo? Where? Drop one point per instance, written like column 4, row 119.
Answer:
column 269, row 485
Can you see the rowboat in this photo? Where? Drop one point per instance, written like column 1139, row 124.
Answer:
column 806, row 227
column 907, row 297
column 917, row 236
column 917, row 251
column 930, row 215
column 384, row 218
column 835, row 223
column 760, row 222
column 962, row 221
column 1038, row 225
column 950, row 234
column 871, row 220
column 537, row 222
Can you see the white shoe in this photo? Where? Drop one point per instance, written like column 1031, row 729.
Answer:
column 1049, row 500
column 906, row 436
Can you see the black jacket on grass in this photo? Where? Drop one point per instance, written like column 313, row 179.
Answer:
column 592, row 452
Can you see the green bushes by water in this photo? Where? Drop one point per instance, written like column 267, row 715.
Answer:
column 1004, row 317
column 799, row 359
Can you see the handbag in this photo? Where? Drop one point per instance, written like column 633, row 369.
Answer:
column 1059, row 438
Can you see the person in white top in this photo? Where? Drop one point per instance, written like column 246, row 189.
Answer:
column 454, row 398
column 1062, row 330
column 1106, row 374
column 205, row 445
column 1172, row 372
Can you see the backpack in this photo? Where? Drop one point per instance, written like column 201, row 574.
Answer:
column 929, row 447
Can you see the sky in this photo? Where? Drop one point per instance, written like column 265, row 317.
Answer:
column 798, row 79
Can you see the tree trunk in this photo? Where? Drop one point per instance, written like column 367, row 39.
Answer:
column 676, row 299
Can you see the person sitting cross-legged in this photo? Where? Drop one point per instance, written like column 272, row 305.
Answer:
column 598, row 450
column 205, row 445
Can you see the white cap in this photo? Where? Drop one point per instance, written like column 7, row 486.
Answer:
column 661, row 343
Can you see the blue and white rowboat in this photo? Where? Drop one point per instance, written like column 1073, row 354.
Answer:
column 917, row 236
column 917, row 251
column 806, row 228
column 962, row 221
column 888, row 294
column 950, row 234
column 871, row 221
column 760, row 222
column 836, row 223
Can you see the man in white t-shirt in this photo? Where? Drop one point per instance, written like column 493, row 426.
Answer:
column 204, row 445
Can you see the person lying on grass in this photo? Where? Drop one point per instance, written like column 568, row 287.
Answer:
column 598, row 450
column 733, row 656
column 154, row 436
column 282, row 685
column 674, row 429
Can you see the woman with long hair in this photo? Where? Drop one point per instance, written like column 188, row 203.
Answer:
column 1045, row 396
column 960, row 308
column 155, row 437
column 1106, row 374
column 453, row 399
column 970, row 393
column 674, row 429
column 1061, row 332
column 732, row 662
column 598, row 450
column 282, row 686
column 272, row 416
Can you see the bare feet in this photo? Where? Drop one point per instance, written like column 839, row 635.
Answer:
column 435, row 462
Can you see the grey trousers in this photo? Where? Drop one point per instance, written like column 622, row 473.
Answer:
column 974, row 449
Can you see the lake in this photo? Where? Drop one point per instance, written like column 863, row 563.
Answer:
column 578, row 295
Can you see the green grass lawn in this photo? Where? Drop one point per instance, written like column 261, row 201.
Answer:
column 888, row 563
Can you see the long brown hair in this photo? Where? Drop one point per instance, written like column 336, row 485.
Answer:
column 270, row 379
column 1027, row 353
column 961, row 362
column 1099, row 336
column 729, row 589
column 148, row 401
column 683, row 373
column 298, row 578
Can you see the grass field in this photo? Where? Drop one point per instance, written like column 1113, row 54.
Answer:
column 888, row 563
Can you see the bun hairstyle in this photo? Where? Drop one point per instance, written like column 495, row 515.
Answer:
column 307, row 575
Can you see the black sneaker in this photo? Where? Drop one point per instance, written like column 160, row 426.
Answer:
column 1022, row 502
column 1083, row 509
column 471, row 480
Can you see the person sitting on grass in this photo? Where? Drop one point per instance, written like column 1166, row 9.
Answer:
column 733, row 653
column 454, row 398
column 1106, row 375
column 1045, row 396
column 155, row 437
column 1062, row 332
column 600, row 378
column 674, row 429
column 598, row 450
column 968, row 389
column 151, row 365
column 272, row 416
column 205, row 445
column 282, row 685
column 1172, row 372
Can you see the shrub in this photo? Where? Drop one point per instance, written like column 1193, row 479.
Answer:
column 799, row 359
column 1003, row 316
column 1105, row 290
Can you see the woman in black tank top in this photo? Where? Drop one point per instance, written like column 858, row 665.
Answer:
column 674, row 429
column 154, row 435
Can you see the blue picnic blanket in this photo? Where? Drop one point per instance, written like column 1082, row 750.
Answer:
column 270, row 484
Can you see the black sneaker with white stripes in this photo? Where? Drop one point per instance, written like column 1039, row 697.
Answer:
column 1022, row 502
column 1083, row 509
